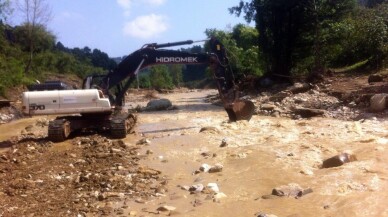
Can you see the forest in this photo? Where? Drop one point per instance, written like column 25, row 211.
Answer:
column 289, row 39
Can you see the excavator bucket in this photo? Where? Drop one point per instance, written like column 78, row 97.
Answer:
column 240, row 110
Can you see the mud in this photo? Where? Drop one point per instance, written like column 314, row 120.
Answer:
column 151, row 172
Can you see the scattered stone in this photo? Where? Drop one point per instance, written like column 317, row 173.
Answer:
column 338, row 160
column 205, row 168
column 304, row 192
column 166, row 208
column 213, row 187
column 375, row 78
column 218, row 196
column 224, row 143
column 216, row 168
column 184, row 187
column 290, row 190
column 269, row 196
column 261, row 214
column 268, row 107
column 143, row 141
column 132, row 213
column 308, row 112
column 378, row 102
column 196, row 188
column 299, row 88
column 209, row 129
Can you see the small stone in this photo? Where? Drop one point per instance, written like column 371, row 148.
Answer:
column 143, row 141
column 290, row 190
column 338, row 160
column 196, row 188
column 166, row 209
column 269, row 196
column 205, row 168
column 219, row 196
column 209, row 129
column 216, row 168
column 213, row 187
column 224, row 143
column 132, row 213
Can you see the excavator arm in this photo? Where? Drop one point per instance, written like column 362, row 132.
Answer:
column 152, row 54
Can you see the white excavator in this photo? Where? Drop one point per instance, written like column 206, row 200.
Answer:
column 99, row 105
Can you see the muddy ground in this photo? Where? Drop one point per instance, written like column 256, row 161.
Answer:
column 190, row 161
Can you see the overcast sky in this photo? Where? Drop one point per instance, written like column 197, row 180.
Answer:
column 119, row 27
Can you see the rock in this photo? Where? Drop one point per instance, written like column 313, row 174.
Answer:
column 224, row 143
column 338, row 160
column 213, row 187
column 219, row 196
column 216, row 168
column 375, row 78
column 158, row 105
column 268, row 107
column 290, row 190
column 166, row 208
column 307, row 112
column 378, row 102
column 209, row 129
column 196, row 188
column 299, row 88
column 143, row 141
column 205, row 168
column 269, row 196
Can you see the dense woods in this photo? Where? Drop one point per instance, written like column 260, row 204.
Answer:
column 290, row 38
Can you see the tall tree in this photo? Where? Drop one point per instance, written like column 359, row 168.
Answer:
column 35, row 12
column 287, row 25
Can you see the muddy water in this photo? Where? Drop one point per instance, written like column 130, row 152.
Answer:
column 263, row 154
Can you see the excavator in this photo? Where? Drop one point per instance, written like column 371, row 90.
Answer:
column 99, row 105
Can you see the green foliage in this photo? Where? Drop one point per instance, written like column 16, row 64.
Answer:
column 160, row 77
column 294, row 34
column 241, row 46
column 144, row 81
column 176, row 72
column 48, row 59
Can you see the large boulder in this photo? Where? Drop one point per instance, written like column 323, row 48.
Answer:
column 158, row 105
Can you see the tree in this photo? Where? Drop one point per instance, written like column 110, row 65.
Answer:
column 242, row 49
column 287, row 27
column 160, row 77
column 176, row 72
column 35, row 13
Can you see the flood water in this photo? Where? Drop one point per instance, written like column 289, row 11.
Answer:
column 260, row 155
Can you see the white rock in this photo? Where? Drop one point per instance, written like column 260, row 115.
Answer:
column 205, row 168
column 213, row 187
